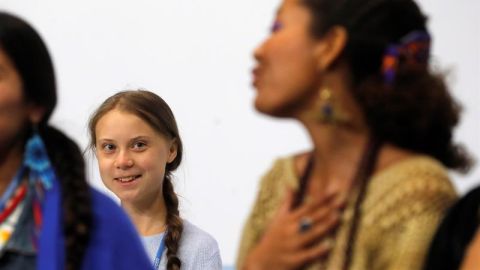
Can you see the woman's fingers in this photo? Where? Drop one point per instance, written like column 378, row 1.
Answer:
column 318, row 230
column 297, row 236
column 317, row 251
column 310, row 254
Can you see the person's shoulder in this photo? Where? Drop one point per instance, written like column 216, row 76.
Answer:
column 418, row 184
column 282, row 172
column 281, row 163
column 467, row 207
column 417, row 173
column 198, row 249
column 195, row 236
column 102, row 203
column 473, row 195
column 106, row 211
column 113, row 234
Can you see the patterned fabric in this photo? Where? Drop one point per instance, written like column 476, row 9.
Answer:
column 7, row 227
column 402, row 208
column 37, row 161
column 41, row 175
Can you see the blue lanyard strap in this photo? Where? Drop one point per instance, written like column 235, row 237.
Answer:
column 161, row 249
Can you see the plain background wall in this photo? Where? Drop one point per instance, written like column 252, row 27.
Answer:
column 197, row 56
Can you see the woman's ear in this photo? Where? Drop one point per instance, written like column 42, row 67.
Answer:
column 330, row 47
column 172, row 153
column 35, row 113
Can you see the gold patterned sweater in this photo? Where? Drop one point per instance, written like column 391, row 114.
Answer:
column 402, row 208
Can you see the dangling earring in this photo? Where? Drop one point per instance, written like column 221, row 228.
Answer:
column 327, row 109
column 325, row 101
column 41, row 175
column 37, row 161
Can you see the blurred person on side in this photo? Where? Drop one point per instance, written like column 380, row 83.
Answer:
column 456, row 244
column 371, row 192
column 50, row 218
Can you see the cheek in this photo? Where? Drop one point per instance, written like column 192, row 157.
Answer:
column 11, row 125
column 104, row 166
column 154, row 165
column 297, row 67
column 292, row 81
column 290, row 66
column 13, row 114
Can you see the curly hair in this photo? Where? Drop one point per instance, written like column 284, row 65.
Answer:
column 416, row 111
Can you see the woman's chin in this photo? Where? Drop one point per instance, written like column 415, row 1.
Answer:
column 270, row 109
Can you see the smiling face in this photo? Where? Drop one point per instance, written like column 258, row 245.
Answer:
column 286, row 73
column 132, row 156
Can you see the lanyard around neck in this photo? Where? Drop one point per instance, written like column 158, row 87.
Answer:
column 161, row 249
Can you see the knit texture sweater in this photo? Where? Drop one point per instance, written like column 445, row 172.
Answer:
column 198, row 250
column 402, row 208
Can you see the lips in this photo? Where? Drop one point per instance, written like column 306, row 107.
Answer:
column 256, row 76
column 127, row 179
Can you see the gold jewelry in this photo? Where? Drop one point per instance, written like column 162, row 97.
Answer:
column 327, row 109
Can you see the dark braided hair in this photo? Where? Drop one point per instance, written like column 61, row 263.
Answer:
column 76, row 197
column 416, row 112
column 30, row 57
column 156, row 112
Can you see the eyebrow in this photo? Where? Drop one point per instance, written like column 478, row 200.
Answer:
column 141, row 137
column 105, row 140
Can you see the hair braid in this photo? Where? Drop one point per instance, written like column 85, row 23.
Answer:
column 76, row 198
column 174, row 225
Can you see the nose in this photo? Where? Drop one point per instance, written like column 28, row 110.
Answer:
column 258, row 52
column 123, row 160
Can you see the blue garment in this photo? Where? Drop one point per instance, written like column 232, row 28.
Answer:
column 114, row 242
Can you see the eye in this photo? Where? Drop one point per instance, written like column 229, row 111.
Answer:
column 277, row 25
column 139, row 145
column 108, row 147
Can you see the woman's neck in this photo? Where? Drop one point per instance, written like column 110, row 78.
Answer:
column 337, row 153
column 149, row 217
column 10, row 162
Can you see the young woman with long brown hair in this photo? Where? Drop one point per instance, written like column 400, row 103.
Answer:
column 137, row 143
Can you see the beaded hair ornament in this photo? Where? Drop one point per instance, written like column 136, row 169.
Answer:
column 414, row 49
column 41, row 176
